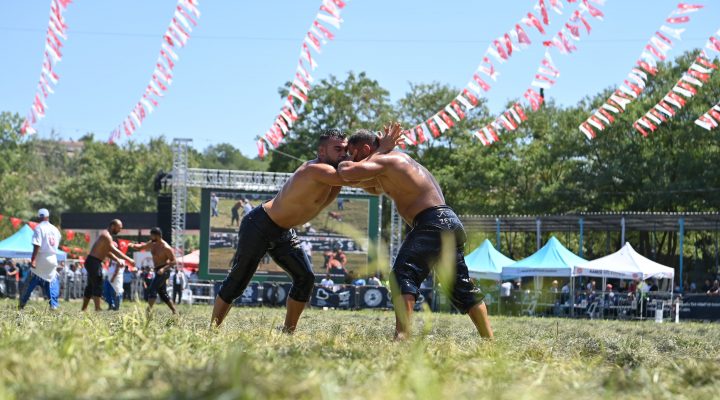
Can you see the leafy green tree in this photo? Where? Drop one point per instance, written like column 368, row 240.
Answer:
column 354, row 103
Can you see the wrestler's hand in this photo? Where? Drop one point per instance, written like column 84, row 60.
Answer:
column 390, row 137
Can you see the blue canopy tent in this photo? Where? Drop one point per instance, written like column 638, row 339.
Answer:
column 19, row 245
column 553, row 259
column 486, row 263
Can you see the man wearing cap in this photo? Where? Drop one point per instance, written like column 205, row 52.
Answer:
column 43, row 262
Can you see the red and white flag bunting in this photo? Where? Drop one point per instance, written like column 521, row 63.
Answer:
column 657, row 49
column 318, row 35
column 711, row 119
column 695, row 77
column 500, row 50
column 545, row 77
column 55, row 36
column 185, row 16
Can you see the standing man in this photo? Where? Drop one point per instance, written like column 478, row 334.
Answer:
column 114, row 285
column 421, row 203
column 214, row 204
column 247, row 207
column 268, row 228
column 179, row 280
column 164, row 259
column 235, row 213
column 43, row 262
column 103, row 247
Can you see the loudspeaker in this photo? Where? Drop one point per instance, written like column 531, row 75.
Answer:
column 164, row 215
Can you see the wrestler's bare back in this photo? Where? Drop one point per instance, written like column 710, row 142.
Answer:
column 302, row 197
column 409, row 184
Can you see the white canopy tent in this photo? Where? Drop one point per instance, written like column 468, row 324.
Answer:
column 624, row 264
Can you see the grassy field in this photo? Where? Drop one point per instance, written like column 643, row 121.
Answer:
column 340, row 354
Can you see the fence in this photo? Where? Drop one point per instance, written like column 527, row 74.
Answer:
column 593, row 305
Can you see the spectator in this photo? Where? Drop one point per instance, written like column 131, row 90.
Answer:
column 374, row 281
column 693, row 287
column 127, row 284
column 714, row 289
column 179, row 281
column 44, row 263
column 113, row 285
column 235, row 213
column 554, row 287
column 653, row 286
column 79, row 278
column 3, row 276
column 707, row 286
column 327, row 283
column 214, row 200
column 340, row 203
column 247, row 207
column 307, row 248
column 505, row 297
column 359, row 282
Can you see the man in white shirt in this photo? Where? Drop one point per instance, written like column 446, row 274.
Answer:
column 43, row 263
column 113, row 287
column 179, row 281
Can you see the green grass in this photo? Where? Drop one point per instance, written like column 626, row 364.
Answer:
column 341, row 354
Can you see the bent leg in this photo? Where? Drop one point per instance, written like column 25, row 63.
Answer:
column 479, row 316
column 290, row 257
column 467, row 298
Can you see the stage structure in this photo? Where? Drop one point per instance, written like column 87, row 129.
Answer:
column 230, row 186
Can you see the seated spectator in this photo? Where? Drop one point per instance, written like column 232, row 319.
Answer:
column 327, row 283
column 359, row 282
column 707, row 286
column 374, row 281
column 714, row 289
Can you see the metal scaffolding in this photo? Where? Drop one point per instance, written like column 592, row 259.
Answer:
column 179, row 196
column 396, row 237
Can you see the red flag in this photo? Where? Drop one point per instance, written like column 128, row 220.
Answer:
column 123, row 245
column 261, row 149
column 433, row 127
column 87, row 238
column 65, row 249
column 1, row 217
column 678, row 20
column 32, row 224
column 15, row 222
column 419, row 132
column 533, row 21
column 543, row 12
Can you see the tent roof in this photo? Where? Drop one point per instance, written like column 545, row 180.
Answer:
column 192, row 259
column 626, row 264
column 553, row 259
column 486, row 262
column 19, row 245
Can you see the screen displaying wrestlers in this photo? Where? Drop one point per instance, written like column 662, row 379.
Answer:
column 163, row 259
column 268, row 228
column 421, row 204
column 104, row 247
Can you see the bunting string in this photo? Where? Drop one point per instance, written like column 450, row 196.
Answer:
column 176, row 36
column 55, row 37
column 711, row 119
column 319, row 34
column 657, row 49
column 699, row 73
column 545, row 76
column 500, row 50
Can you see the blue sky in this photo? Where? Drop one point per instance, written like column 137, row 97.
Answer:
column 225, row 84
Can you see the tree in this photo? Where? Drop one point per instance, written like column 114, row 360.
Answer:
column 357, row 102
